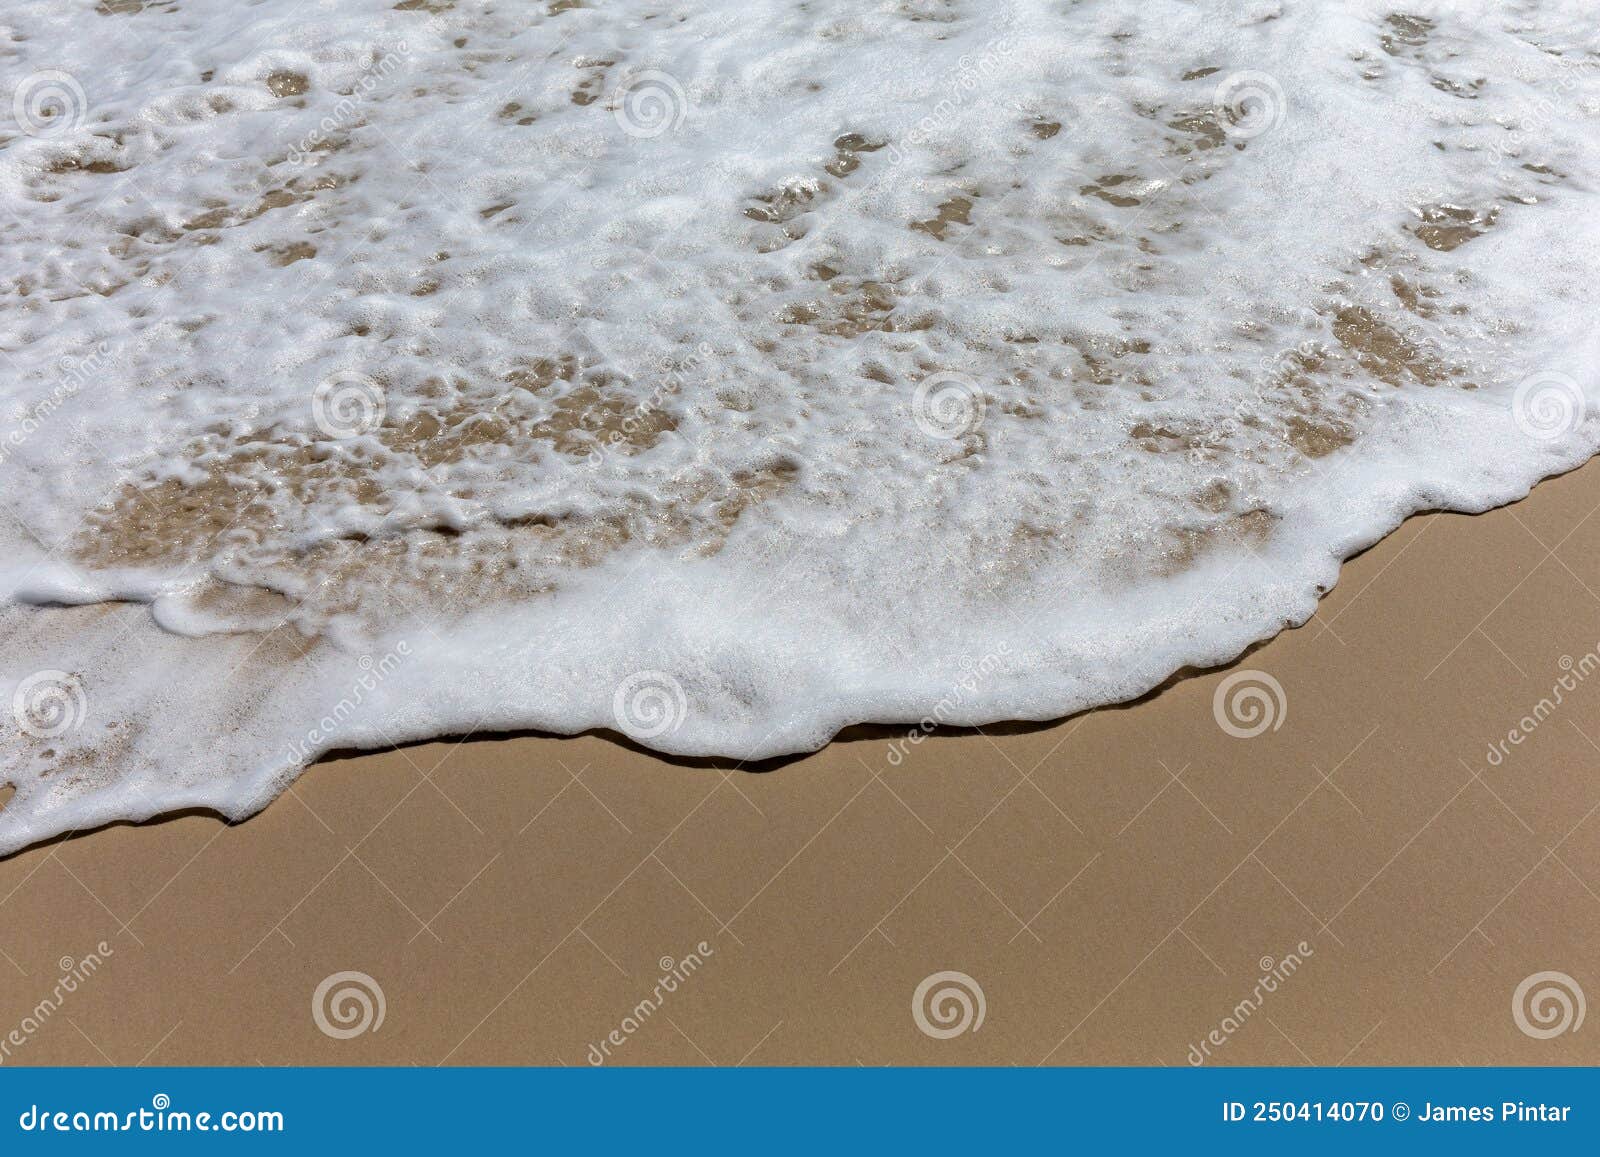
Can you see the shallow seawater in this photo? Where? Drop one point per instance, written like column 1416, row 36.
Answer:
column 726, row 373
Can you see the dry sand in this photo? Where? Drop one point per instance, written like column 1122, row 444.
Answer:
column 1113, row 884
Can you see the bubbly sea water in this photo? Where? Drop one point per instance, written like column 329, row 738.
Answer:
column 727, row 372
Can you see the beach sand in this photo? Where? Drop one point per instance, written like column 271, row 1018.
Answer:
column 1116, row 885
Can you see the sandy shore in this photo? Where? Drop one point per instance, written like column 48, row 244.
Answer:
column 1369, row 880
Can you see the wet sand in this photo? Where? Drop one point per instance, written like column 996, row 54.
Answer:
column 1362, row 882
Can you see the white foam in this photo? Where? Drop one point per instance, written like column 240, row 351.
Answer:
column 730, row 372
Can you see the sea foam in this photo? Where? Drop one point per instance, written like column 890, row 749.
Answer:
column 725, row 373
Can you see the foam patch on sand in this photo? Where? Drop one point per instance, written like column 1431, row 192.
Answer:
column 725, row 373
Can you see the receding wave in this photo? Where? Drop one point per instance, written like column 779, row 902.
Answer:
column 723, row 374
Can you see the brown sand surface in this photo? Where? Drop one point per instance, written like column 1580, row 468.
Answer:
column 1115, row 885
